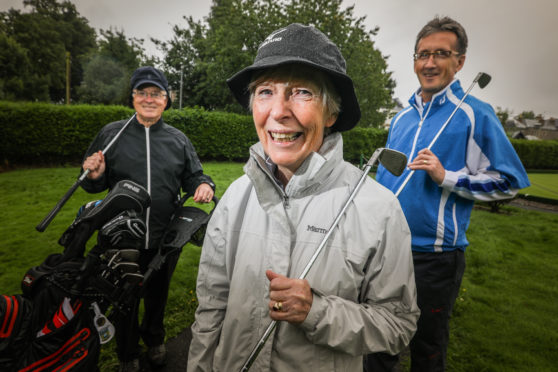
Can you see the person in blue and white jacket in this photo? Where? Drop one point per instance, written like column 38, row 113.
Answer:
column 471, row 160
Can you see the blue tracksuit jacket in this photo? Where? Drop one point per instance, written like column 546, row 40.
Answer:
column 480, row 164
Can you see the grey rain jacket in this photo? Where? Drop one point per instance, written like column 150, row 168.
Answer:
column 160, row 158
column 364, row 295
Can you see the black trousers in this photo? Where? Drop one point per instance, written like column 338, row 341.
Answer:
column 152, row 331
column 438, row 278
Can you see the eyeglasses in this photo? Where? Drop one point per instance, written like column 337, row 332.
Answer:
column 438, row 54
column 154, row 95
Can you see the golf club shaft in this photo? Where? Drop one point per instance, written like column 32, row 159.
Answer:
column 440, row 131
column 54, row 211
column 269, row 330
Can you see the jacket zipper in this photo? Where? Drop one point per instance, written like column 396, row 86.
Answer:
column 284, row 195
column 148, row 155
column 285, row 201
column 418, row 131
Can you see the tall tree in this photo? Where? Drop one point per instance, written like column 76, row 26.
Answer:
column 108, row 70
column 503, row 114
column 526, row 115
column 128, row 52
column 105, row 81
column 211, row 50
column 47, row 32
column 14, row 70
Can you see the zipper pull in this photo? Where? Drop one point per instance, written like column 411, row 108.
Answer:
column 286, row 201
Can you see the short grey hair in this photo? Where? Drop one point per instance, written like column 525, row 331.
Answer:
column 445, row 24
column 331, row 100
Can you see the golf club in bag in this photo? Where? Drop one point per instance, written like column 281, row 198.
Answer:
column 54, row 211
column 58, row 321
column 482, row 79
column 395, row 162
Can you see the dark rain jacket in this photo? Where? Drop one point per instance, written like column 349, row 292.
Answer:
column 161, row 158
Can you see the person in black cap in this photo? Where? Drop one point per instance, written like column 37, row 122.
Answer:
column 162, row 159
column 360, row 294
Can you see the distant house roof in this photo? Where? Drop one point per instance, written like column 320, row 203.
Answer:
column 550, row 124
column 513, row 123
column 532, row 123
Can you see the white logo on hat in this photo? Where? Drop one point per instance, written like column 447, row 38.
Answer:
column 271, row 38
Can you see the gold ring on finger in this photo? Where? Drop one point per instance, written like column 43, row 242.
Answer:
column 278, row 306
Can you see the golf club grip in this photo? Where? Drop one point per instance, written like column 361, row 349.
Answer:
column 50, row 216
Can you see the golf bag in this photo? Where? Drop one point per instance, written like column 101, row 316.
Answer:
column 58, row 322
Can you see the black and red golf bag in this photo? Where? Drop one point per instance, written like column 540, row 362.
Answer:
column 58, row 322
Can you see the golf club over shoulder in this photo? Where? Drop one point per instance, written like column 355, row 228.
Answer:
column 395, row 162
column 482, row 79
column 54, row 211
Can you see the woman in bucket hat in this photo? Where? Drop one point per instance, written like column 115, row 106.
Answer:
column 359, row 297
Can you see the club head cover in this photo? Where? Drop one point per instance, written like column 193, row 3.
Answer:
column 126, row 230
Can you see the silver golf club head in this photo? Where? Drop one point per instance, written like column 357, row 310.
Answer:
column 394, row 161
column 483, row 79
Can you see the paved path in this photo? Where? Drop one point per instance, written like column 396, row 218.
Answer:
column 177, row 349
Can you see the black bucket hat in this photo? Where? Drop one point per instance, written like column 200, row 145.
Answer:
column 148, row 75
column 298, row 43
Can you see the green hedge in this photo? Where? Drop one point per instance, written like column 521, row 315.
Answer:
column 215, row 135
column 38, row 133
column 537, row 154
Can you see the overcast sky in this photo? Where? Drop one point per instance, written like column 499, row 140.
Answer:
column 515, row 41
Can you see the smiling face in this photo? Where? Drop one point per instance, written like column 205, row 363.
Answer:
column 290, row 119
column 149, row 109
column 435, row 74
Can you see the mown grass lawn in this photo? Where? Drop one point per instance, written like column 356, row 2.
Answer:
column 544, row 185
column 504, row 319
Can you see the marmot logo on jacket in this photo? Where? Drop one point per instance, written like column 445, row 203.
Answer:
column 316, row 229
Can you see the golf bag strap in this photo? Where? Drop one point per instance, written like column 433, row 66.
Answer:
column 10, row 309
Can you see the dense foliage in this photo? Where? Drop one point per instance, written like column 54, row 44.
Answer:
column 210, row 51
column 537, row 154
column 34, row 47
column 108, row 69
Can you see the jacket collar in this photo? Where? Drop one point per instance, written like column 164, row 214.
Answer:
column 156, row 126
column 312, row 173
column 439, row 98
